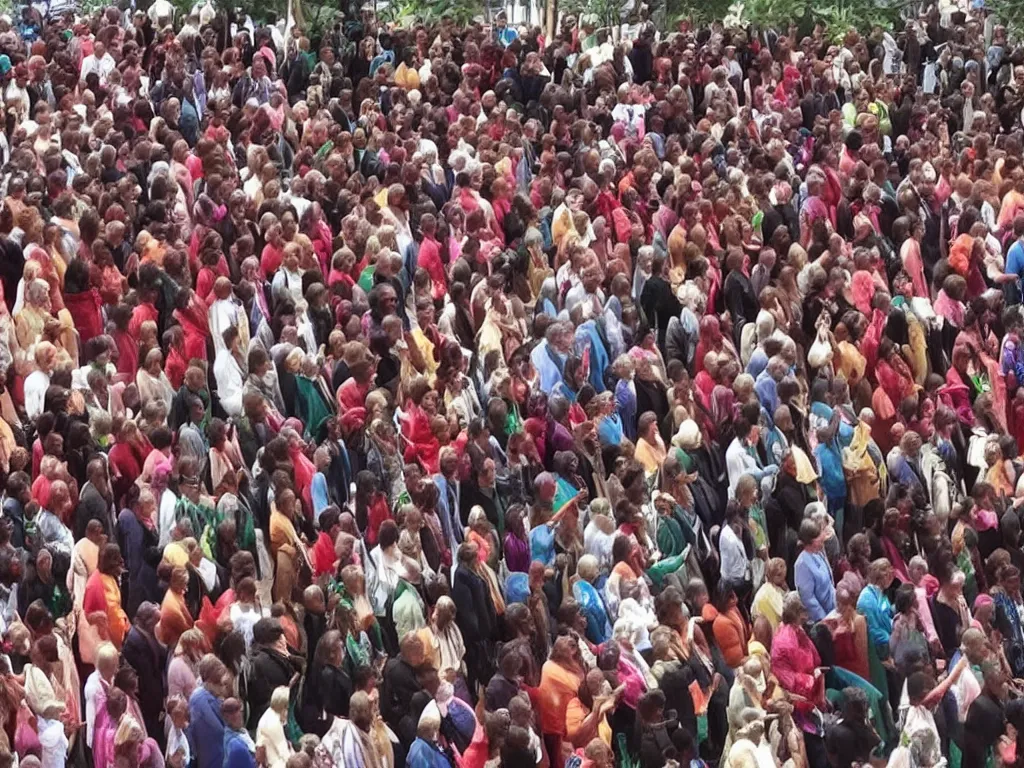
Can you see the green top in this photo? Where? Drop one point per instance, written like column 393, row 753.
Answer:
column 199, row 515
column 671, row 540
column 366, row 277
column 760, row 527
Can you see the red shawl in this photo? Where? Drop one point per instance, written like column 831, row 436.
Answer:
column 322, row 556
column 204, row 284
column 421, row 446
column 538, row 430
column 794, row 659
column 85, row 309
column 895, row 558
column 175, row 367
column 141, row 314
column 377, row 513
column 127, row 353
column 898, row 384
column 194, row 323
column 304, row 471
column 351, row 394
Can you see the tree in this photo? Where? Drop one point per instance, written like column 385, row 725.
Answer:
column 462, row 12
column 698, row 12
column 1011, row 14
column 608, row 12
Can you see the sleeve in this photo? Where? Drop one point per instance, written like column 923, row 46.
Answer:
column 465, row 615
column 878, row 633
column 391, row 711
column 925, row 612
column 237, row 756
column 405, row 617
column 94, row 600
column 784, row 667
column 319, row 494
column 808, row 595
column 734, row 303
column 338, row 690
column 675, row 340
column 1002, row 621
column 727, row 639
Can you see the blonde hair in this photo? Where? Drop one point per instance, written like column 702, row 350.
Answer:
column 279, row 698
column 107, row 654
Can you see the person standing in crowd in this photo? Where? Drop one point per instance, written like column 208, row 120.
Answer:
column 373, row 392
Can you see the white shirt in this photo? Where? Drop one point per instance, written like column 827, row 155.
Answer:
column 35, row 393
column 102, row 67
column 223, row 314
column 599, row 544
column 161, row 9
column 93, row 686
column 230, row 381
column 270, row 734
column 387, row 572
column 735, row 565
column 300, row 204
column 167, row 519
column 578, row 295
column 287, row 281
column 243, row 619
column 176, row 740
column 738, row 462
column 632, row 114
column 54, row 743
column 17, row 98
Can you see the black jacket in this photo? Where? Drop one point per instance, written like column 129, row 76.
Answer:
column 655, row 740
column 92, row 506
column 149, row 660
column 400, row 685
column 325, row 695
column 660, row 305
column 268, row 671
column 740, row 300
column 474, row 608
column 14, row 512
column 315, row 625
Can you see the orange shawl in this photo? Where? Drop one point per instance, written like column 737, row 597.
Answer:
column 103, row 595
column 558, row 686
column 174, row 619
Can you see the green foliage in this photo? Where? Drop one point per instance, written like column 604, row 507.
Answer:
column 407, row 12
column 777, row 13
column 609, row 12
column 696, row 11
column 839, row 16
column 1010, row 13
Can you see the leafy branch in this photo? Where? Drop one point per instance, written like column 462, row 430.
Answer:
column 1011, row 14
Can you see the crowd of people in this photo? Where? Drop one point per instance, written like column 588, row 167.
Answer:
column 452, row 397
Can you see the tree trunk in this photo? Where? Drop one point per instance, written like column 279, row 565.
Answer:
column 552, row 18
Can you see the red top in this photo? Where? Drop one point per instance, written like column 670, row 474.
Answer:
column 270, row 260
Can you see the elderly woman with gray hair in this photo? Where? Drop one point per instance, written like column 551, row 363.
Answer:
column 447, row 649
column 270, row 731
column 425, row 750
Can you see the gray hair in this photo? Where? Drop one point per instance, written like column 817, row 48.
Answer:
column 37, row 291
column 477, row 515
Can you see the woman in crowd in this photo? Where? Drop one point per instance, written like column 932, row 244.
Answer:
column 271, row 326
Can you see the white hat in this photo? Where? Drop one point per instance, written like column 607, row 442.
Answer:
column 688, row 436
